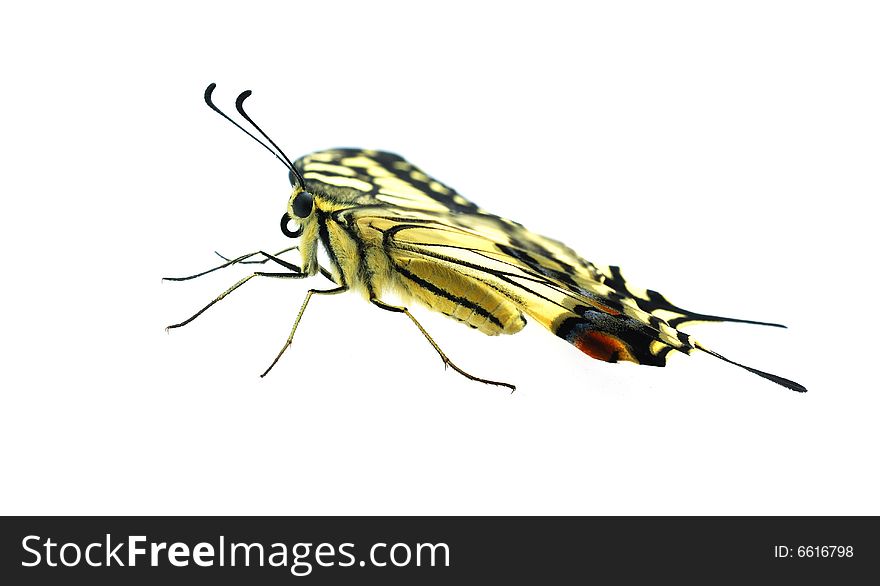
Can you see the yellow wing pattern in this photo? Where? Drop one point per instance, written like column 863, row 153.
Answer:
column 449, row 254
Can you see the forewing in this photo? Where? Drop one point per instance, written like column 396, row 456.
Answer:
column 380, row 178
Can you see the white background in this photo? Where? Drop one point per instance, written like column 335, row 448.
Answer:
column 726, row 156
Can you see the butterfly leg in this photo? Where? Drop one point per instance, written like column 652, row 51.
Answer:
column 243, row 260
column 446, row 360
column 238, row 284
column 267, row 257
column 302, row 310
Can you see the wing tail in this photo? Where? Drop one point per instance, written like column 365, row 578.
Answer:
column 788, row 384
column 656, row 304
column 613, row 340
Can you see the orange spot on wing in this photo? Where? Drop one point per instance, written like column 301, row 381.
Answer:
column 602, row 347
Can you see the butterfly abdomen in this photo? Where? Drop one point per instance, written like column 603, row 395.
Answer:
column 458, row 296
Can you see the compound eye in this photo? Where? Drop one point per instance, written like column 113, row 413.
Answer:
column 302, row 205
column 285, row 227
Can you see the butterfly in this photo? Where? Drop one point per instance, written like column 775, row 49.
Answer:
column 388, row 227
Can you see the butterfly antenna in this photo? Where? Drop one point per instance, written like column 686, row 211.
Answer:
column 239, row 105
column 210, row 90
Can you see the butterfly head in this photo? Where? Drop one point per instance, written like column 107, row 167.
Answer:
column 299, row 207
